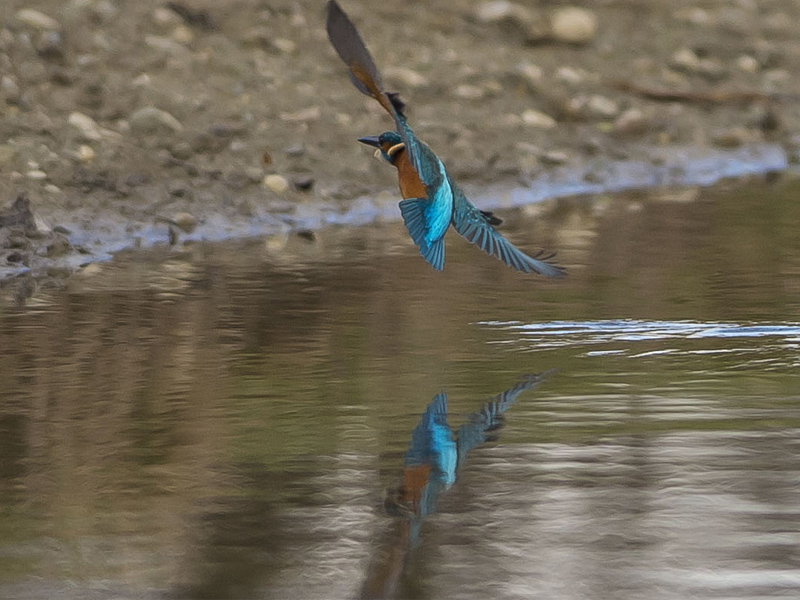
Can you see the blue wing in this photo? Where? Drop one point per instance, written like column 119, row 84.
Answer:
column 471, row 224
column 414, row 211
column 474, row 433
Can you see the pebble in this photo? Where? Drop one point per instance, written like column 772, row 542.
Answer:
column 295, row 150
column 529, row 72
column 276, row 183
column 52, row 189
column 570, row 75
column 183, row 35
column 407, row 77
column 602, row 107
column 9, row 90
column 185, row 221
column 536, row 118
column 51, row 45
column 573, row 25
column 39, row 20
column 85, row 154
column 747, row 63
column 36, row 175
column 694, row 15
column 554, row 157
column 59, row 246
column 254, row 174
column 685, row 58
column 182, row 151
column 732, row 138
column 286, row 46
column 496, row 11
column 164, row 44
column 312, row 113
column 151, row 119
column 86, row 126
column 165, row 17
column 303, row 183
column 179, row 189
column 469, row 92
column 631, row 122
column 91, row 270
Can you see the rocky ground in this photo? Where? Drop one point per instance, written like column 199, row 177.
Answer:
column 133, row 123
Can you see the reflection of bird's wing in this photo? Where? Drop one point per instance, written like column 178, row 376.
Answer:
column 475, row 227
column 473, row 433
column 365, row 76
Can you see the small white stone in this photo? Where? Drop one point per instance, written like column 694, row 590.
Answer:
column 90, row 270
column 39, row 20
column 602, row 106
column 408, row 77
column 150, row 118
column 536, row 118
column 569, row 75
column 183, row 35
column 276, row 183
column 85, row 153
column 495, row 11
column 142, row 80
column 186, row 221
column 165, row 17
column 686, row 59
column 52, row 189
column 285, row 45
column 88, row 127
column 631, row 122
column 747, row 63
column 574, row 25
column 469, row 92
column 36, row 175
column 530, row 72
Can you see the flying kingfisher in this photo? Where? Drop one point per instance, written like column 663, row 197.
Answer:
column 431, row 199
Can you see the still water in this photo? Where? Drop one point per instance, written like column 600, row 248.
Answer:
column 333, row 419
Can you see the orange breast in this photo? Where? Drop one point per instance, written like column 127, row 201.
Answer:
column 410, row 184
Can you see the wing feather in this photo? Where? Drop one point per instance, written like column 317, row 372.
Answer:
column 471, row 224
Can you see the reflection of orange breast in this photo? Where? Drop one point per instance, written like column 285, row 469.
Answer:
column 410, row 184
column 414, row 481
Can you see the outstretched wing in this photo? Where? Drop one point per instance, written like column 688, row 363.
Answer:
column 471, row 223
column 490, row 417
column 365, row 76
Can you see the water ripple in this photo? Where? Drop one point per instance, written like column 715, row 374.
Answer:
column 556, row 334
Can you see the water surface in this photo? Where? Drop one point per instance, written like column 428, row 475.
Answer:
column 327, row 419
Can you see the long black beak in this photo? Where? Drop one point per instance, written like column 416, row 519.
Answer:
column 371, row 140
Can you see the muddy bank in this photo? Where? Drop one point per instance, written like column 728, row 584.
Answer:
column 140, row 123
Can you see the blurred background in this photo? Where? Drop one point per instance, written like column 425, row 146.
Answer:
column 251, row 418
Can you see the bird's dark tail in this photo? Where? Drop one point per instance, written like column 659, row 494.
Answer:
column 351, row 49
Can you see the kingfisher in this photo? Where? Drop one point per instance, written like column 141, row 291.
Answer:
column 432, row 201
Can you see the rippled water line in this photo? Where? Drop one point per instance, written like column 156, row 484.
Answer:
column 639, row 330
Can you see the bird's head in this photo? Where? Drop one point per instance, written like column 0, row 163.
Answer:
column 389, row 144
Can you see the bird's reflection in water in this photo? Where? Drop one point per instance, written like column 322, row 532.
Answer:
column 430, row 467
